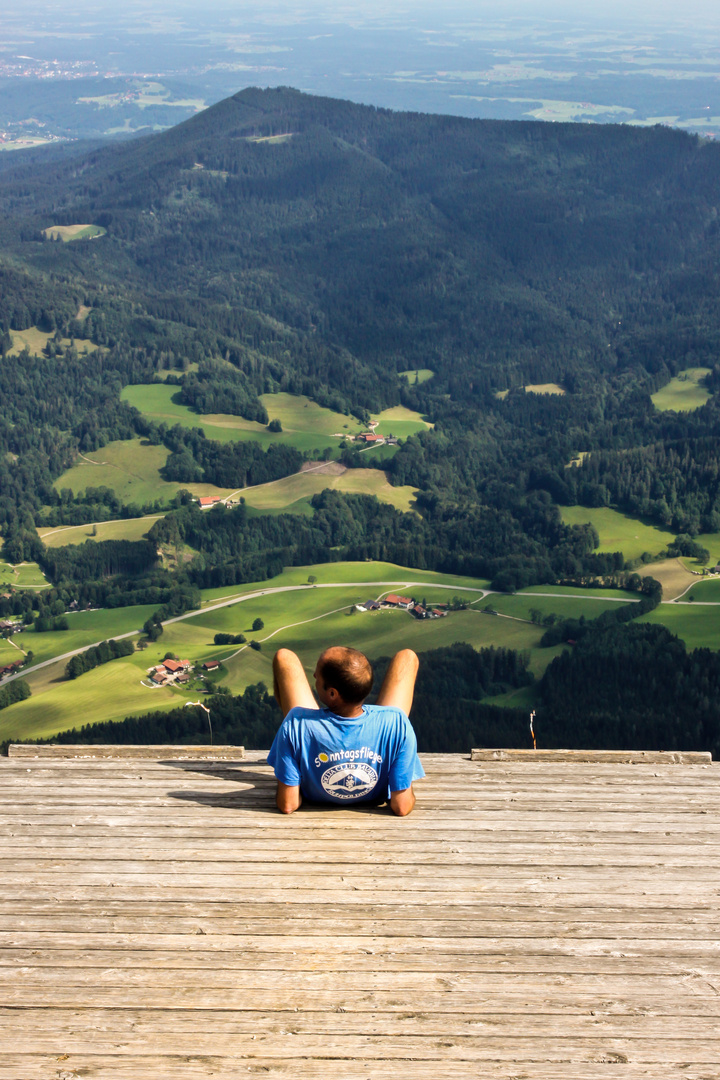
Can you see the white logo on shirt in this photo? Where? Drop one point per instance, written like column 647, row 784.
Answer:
column 349, row 780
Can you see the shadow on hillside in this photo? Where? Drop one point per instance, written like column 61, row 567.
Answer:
column 257, row 794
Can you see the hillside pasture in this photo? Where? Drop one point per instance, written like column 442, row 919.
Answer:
column 684, row 392
column 67, row 233
column 417, row 375
column 131, row 467
column 86, row 628
column 123, row 529
column 697, row 625
column 400, row 422
column 619, row 532
column 110, row 692
column 25, row 575
column 35, row 340
column 576, row 606
column 306, row 425
column 368, row 573
column 293, row 493
column 707, row 591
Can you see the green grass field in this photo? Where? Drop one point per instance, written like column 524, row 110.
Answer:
column 306, row 425
column 66, row 233
column 706, row 591
column 698, row 626
column 683, row 393
column 293, row 493
column 128, row 529
column 400, row 422
column 568, row 607
column 86, row 627
column 417, row 375
column 23, row 576
column 619, row 532
column 131, row 468
column 370, row 573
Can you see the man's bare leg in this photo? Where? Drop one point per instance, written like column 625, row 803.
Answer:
column 291, row 688
column 399, row 682
column 290, row 684
column 397, row 690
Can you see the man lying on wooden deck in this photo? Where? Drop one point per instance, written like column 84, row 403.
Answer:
column 346, row 752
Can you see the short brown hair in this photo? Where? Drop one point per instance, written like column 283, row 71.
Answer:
column 348, row 671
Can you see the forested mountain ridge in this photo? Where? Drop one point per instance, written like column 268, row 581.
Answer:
column 513, row 252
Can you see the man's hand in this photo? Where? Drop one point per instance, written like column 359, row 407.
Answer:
column 288, row 798
column 402, row 802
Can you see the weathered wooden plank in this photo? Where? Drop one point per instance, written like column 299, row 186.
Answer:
column 117, row 752
column 599, row 979
column 593, row 757
column 437, row 852
column 482, row 913
column 275, row 1001
column 415, row 1023
column 461, row 864
column 358, row 927
column 408, row 1048
column 95, row 1066
column 378, row 946
column 450, row 966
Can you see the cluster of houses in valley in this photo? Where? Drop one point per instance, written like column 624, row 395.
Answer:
column 11, row 669
column 404, row 603
column 178, row 671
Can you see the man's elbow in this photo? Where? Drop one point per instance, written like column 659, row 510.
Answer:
column 402, row 803
column 288, row 798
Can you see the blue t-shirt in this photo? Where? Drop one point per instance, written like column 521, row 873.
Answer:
column 339, row 759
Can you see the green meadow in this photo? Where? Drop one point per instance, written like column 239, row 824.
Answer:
column 619, row 532
column 698, row 626
column 27, row 575
column 131, row 467
column 683, row 393
column 305, row 425
column 293, row 493
column 123, row 529
column 632, row 536
column 706, row 591
column 66, row 233
column 520, row 605
column 417, row 375
column 400, row 422
column 86, row 628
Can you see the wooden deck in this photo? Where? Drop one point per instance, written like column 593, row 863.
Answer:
column 546, row 921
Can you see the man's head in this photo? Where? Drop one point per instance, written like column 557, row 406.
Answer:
column 343, row 678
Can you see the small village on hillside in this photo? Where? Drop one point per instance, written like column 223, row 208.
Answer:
column 405, row 603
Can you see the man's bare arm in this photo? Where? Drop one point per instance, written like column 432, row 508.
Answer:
column 402, row 803
column 288, row 798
